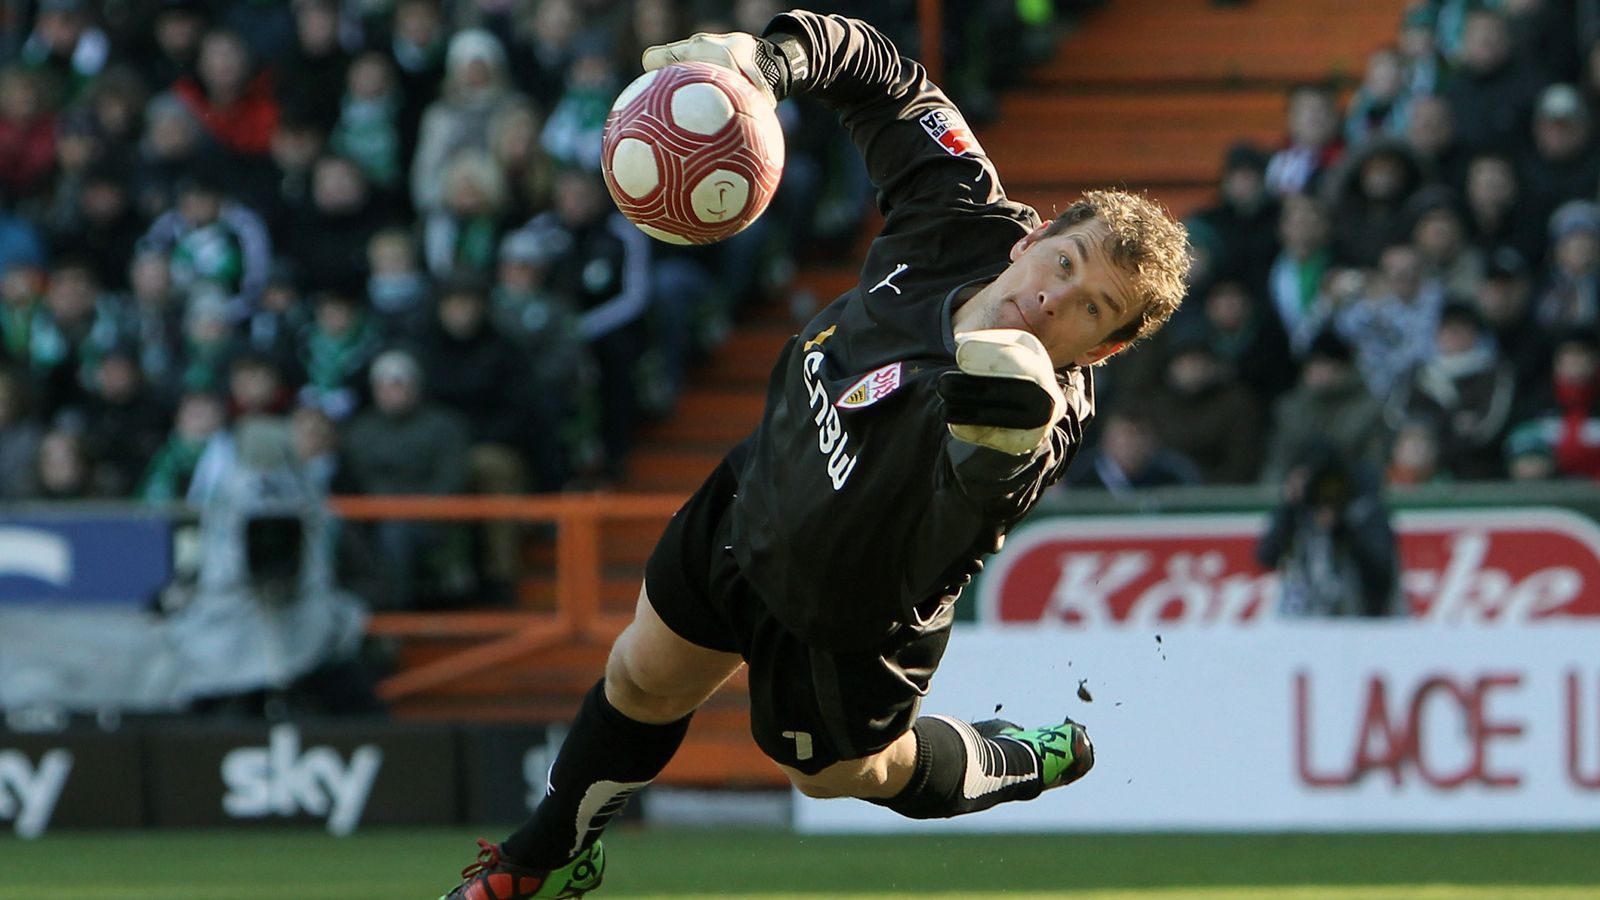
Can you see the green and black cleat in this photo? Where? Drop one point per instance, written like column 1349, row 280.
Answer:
column 493, row 877
column 1064, row 751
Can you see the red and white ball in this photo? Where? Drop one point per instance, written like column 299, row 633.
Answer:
column 692, row 153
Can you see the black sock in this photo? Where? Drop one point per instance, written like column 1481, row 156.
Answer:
column 606, row 758
column 960, row 771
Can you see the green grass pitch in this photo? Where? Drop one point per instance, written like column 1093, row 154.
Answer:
column 395, row 865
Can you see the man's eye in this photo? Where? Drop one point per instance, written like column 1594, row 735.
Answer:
column 1066, row 262
column 1094, row 309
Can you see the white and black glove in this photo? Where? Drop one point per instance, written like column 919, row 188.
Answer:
column 771, row 65
column 1005, row 395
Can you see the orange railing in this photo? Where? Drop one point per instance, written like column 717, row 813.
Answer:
column 509, row 634
column 930, row 26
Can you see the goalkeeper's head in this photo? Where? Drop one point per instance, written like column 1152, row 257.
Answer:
column 1107, row 272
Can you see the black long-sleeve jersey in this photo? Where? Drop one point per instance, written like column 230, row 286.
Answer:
column 855, row 507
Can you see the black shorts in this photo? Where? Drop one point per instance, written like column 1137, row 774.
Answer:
column 809, row 707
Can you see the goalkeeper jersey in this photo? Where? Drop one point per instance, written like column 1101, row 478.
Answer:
column 857, row 513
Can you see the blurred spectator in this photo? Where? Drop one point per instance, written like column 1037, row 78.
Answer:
column 315, row 63
column 1491, row 92
column 1557, row 433
column 1388, row 317
column 1542, row 36
column 208, row 341
column 19, row 440
column 1130, row 456
column 471, row 368
column 1245, row 219
column 1564, row 161
column 1297, row 274
column 214, row 240
column 1505, row 303
column 529, row 172
column 328, row 238
column 335, row 352
column 171, row 145
column 65, row 471
column 77, row 148
column 1496, row 217
column 544, row 324
column 1313, row 145
column 398, row 287
column 1248, row 339
column 27, row 134
column 368, row 131
column 199, row 421
column 174, row 51
column 124, row 424
column 406, row 446
column 230, row 96
column 1330, row 402
column 1331, row 541
column 1463, row 396
column 1367, row 194
column 256, row 388
column 1414, row 457
column 65, row 345
column 19, row 241
column 66, row 45
column 1570, row 295
column 1422, row 64
column 104, row 226
column 316, row 445
column 281, row 189
column 152, row 317
column 540, row 58
column 1381, row 103
column 573, row 131
column 416, row 44
column 22, row 296
column 603, row 264
column 1438, row 230
column 463, row 233
column 274, row 329
column 1202, row 411
column 474, row 92
column 116, row 104
column 1431, row 135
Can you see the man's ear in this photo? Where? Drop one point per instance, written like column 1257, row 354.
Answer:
column 1100, row 353
column 1028, row 240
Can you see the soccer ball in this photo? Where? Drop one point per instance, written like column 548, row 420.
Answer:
column 692, row 153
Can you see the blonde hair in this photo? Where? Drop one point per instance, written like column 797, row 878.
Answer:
column 1143, row 238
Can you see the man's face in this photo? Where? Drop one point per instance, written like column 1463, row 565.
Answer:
column 1491, row 183
column 1560, row 138
column 1064, row 289
column 1429, row 130
column 1484, row 43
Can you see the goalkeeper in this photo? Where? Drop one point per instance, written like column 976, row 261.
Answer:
column 912, row 423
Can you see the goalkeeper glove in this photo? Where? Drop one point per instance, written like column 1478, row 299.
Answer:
column 1005, row 395
column 772, row 64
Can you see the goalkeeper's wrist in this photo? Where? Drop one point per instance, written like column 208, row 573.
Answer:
column 781, row 59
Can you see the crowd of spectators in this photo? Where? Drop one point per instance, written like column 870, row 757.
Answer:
column 380, row 221
column 1413, row 274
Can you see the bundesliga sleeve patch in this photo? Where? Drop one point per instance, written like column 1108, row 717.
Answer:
column 874, row 386
column 948, row 130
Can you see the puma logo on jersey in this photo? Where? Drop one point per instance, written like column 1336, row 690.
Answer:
column 888, row 280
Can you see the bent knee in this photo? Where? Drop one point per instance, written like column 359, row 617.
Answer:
column 640, row 699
